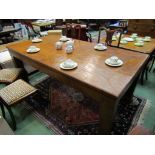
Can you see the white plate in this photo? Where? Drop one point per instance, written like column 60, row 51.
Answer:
column 64, row 39
column 66, row 68
column 147, row 40
column 120, row 63
column 128, row 39
column 123, row 42
column 36, row 40
column 37, row 50
column 139, row 44
column 100, row 49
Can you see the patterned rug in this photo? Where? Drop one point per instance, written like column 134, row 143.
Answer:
column 68, row 111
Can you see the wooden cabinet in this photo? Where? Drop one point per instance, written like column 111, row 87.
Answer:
column 142, row 27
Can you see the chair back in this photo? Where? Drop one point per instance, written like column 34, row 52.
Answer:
column 109, row 34
column 77, row 32
column 68, row 21
column 59, row 22
column 68, row 30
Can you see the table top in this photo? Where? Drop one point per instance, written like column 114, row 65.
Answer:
column 91, row 71
column 41, row 24
column 148, row 47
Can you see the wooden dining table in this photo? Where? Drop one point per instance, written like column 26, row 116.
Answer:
column 43, row 24
column 109, row 86
column 148, row 47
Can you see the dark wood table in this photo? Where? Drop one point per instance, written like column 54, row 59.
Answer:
column 107, row 85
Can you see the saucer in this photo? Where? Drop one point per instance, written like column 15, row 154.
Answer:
column 147, row 40
column 100, row 48
column 123, row 42
column 68, row 68
column 120, row 63
column 128, row 39
column 114, row 38
column 36, row 40
column 139, row 44
column 64, row 39
column 29, row 50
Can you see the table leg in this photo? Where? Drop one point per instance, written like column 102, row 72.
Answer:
column 99, row 36
column 109, row 107
column 107, row 112
column 19, row 64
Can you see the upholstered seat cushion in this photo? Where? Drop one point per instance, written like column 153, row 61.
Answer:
column 16, row 91
column 9, row 75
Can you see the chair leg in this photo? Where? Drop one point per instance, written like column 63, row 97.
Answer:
column 142, row 76
column 152, row 64
column 146, row 73
column 2, row 109
column 12, row 117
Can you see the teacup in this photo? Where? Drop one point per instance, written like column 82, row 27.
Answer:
column 114, row 60
column 140, row 43
column 68, row 63
column 134, row 34
column 69, row 49
column 58, row 45
column 70, row 43
column 101, row 45
column 139, row 39
column 147, row 37
column 114, row 38
column 32, row 48
column 123, row 41
column 63, row 37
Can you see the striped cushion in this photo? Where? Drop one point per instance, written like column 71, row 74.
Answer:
column 9, row 75
column 16, row 91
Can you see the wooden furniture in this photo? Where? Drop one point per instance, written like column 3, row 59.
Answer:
column 142, row 26
column 54, row 32
column 44, row 25
column 4, row 127
column 13, row 94
column 8, row 31
column 59, row 24
column 109, row 33
column 9, row 75
column 107, row 85
column 148, row 48
column 7, row 35
column 77, row 31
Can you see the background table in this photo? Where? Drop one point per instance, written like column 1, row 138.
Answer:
column 148, row 47
column 43, row 25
